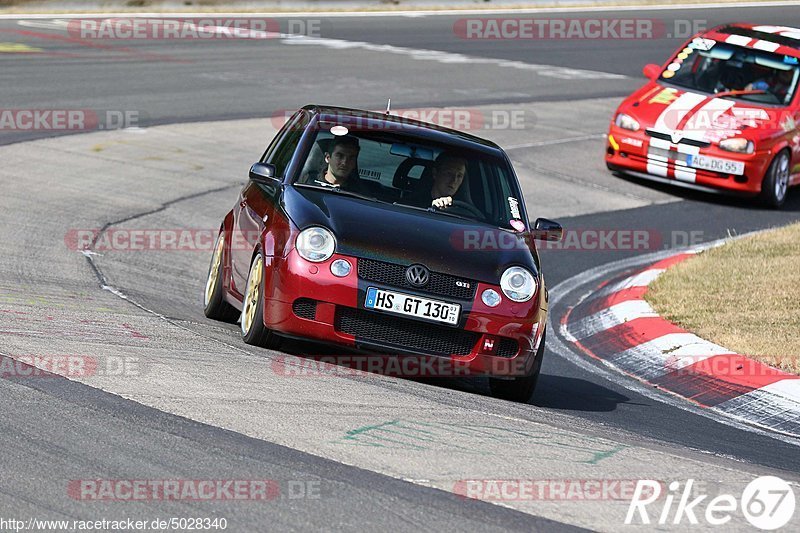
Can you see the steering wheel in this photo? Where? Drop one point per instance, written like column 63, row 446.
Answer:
column 466, row 207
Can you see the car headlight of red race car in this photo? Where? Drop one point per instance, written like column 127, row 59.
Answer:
column 627, row 122
column 315, row 244
column 738, row 144
column 518, row 284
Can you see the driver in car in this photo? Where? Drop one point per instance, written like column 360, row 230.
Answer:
column 448, row 174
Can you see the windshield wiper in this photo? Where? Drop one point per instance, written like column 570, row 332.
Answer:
column 337, row 190
column 432, row 209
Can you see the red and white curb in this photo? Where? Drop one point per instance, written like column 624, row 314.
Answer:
column 616, row 325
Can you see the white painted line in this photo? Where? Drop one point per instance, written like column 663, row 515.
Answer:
column 439, row 56
column 417, row 13
column 610, row 317
column 556, row 141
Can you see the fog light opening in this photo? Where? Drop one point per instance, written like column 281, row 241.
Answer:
column 341, row 268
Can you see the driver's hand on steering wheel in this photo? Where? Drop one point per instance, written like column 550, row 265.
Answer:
column 443, row 202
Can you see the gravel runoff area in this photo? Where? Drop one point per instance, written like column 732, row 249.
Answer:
column 742, row 295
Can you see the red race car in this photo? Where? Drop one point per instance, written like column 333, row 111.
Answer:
column 721, row 115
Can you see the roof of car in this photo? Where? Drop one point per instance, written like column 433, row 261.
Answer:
column 779, row 39
column 371, row 120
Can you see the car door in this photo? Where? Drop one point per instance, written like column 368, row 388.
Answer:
column 256, row 202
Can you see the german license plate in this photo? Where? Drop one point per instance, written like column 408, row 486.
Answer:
column 408, row 305
column 725, row 166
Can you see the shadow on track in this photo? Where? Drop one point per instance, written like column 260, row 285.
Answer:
column 573, row 394
column 792, row 199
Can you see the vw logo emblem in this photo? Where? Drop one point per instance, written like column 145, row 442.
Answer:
column 676, row 137
column 417, row 275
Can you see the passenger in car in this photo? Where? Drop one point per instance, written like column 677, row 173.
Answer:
column 448, row 174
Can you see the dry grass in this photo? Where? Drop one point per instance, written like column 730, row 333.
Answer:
column 744, row 295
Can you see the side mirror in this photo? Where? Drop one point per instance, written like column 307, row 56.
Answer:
column 547, row 230
column 263, row 173
column 651, row 71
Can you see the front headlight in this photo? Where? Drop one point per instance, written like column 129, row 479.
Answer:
column 627, row 122
column 738, row 144
column 518, row 284
column 315, row 244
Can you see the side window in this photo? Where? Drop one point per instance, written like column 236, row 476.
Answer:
column 282, row 153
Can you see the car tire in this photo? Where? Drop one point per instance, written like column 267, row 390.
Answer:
column 519, row 389
column 253, row 330
column 776, row 182
column 216, row 307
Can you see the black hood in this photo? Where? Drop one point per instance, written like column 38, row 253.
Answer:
column 405, row 236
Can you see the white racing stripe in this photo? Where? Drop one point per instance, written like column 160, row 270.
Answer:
column 739, row 40
column 674, row 113
column 766, row 46
column 686, row 174
column 657, row 169
column 657, row 164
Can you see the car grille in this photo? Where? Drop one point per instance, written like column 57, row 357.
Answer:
column 508, row 347
column 395, row 275
column 666, row 137
column 404, row 333
column 305, row 308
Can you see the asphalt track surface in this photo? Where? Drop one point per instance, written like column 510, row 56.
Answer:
column 223, row 425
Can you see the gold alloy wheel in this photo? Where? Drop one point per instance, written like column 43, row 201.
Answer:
column 213, row 269
column 250, row 304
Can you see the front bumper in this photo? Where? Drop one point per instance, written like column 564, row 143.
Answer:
column 642, row 155
column 305, row 300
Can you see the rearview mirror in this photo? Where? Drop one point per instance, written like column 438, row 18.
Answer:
column 547, row 230
column 263, row 172
column 410, row 150
column 651, row 71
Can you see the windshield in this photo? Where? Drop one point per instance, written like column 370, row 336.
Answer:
column 741, row 73
column 407, row 171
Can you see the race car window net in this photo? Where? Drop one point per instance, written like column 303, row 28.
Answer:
column 398, row 169
column 760, row 77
